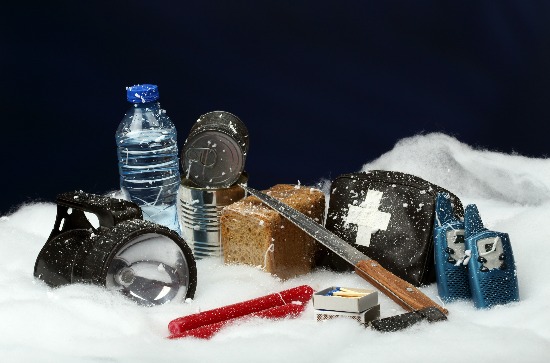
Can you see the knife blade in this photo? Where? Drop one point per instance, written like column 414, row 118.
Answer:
column 397, row 289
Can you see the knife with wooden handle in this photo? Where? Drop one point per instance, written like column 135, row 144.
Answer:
column 397, row 289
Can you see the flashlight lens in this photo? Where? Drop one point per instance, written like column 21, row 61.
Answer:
column 150, row 269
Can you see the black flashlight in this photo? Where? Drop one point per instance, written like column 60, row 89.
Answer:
column 147, row 262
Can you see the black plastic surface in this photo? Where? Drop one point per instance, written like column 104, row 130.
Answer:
column 403, row 321
column 77, row 252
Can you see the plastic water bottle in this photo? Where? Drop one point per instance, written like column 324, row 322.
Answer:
column 148, row 159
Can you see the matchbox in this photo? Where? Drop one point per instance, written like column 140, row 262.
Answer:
column 358, row 300
column 364, row 317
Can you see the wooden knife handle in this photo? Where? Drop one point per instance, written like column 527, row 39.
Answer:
column 397, row 289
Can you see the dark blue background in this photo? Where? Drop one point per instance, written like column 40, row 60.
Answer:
column 323, row 86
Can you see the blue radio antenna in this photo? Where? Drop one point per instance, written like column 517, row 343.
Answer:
column 443, row 209
column 472, row 221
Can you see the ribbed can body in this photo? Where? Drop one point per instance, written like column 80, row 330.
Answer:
column 199, row 212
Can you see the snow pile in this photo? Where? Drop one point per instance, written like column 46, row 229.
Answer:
column 88, row 324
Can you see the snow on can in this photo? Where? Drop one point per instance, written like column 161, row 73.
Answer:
column 214, row 153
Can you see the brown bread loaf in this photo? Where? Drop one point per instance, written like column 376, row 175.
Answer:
column 254, row 234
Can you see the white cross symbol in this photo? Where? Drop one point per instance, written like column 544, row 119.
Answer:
column 367, row 217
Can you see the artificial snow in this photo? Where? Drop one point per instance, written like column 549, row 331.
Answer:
column 79, row 323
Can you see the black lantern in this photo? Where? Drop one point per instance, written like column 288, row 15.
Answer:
column 147, row 262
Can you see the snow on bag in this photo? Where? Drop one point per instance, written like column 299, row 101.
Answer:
column 389, row 216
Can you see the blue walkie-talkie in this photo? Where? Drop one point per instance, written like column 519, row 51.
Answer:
column 451, row 273
column 491, row 267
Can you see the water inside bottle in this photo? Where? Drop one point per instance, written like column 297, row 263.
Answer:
column 149, row 173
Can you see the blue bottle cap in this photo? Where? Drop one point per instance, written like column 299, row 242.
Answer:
column 142, row 93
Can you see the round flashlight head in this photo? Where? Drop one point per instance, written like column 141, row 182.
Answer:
column 150, row 269
column 149, row 263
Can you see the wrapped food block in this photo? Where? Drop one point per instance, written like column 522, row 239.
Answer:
column 254, row 234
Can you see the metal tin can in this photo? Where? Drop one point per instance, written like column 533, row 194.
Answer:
column 199, row 212
column 214, row 153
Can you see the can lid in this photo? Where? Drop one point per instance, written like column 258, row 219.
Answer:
column 225, row 122
column 214, row 153
column 142, row 93
column 212, row 159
